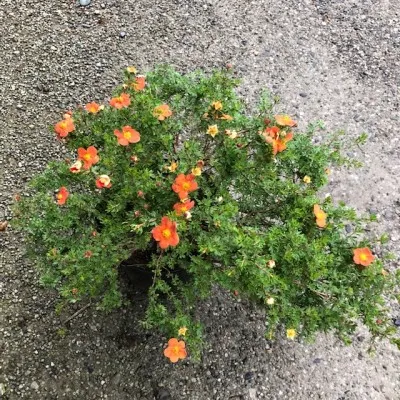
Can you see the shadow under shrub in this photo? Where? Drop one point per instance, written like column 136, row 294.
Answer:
column 176, row 168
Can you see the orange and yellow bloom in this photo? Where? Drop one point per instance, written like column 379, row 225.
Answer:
column 184, row 184
column 88, row 156
column 285, row 120
column 277, row 138
column 176, row 350
column 64, row 127
column 103, row 181
column 320, row 216
column 363, row 256
column 93, row 107
column 62, row 195
column 165, row 233
column 182, row 207
column 162, row 111
column 139, row 84
column 127, row 136
column 121, row 101
column 226, row 117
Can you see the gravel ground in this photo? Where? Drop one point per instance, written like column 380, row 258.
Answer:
column 334, row 60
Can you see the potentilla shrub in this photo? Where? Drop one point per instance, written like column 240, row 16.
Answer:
column 178, row 168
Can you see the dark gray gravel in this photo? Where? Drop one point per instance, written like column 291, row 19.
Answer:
column 327, row 59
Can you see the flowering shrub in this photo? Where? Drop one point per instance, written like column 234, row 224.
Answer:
column 215, row 194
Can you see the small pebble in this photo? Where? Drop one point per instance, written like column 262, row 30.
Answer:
column 248, row 376
column 84, row 2
column 348, row 228
column 122, row 34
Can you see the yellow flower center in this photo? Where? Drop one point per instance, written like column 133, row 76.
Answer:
column 166, row 233
column 175, row 350
column 186, row 186
column 87, row 157
column 363, row 257
column 127, row 134
column 59, row 196
column 290, row 333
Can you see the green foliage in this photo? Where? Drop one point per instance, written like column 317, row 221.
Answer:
column 252, row 206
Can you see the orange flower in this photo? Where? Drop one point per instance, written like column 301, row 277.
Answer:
column 280, row 144
column 121, row 101
column 103, row 181
column 162, row 111
column 363, row 256
column 175, row 350
column 88, row 156
column 139, row 84
column 62, row 196
column 93, row 107
column 165, row 233
column 64, row 127
column 285, row 120
column 181, row 208
column 226, row 117
column 320, row 216
column 184, row 184
column 128, row 135
column 277, row 138
column 272, row 132
column 76, row 167
column 68, row 114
